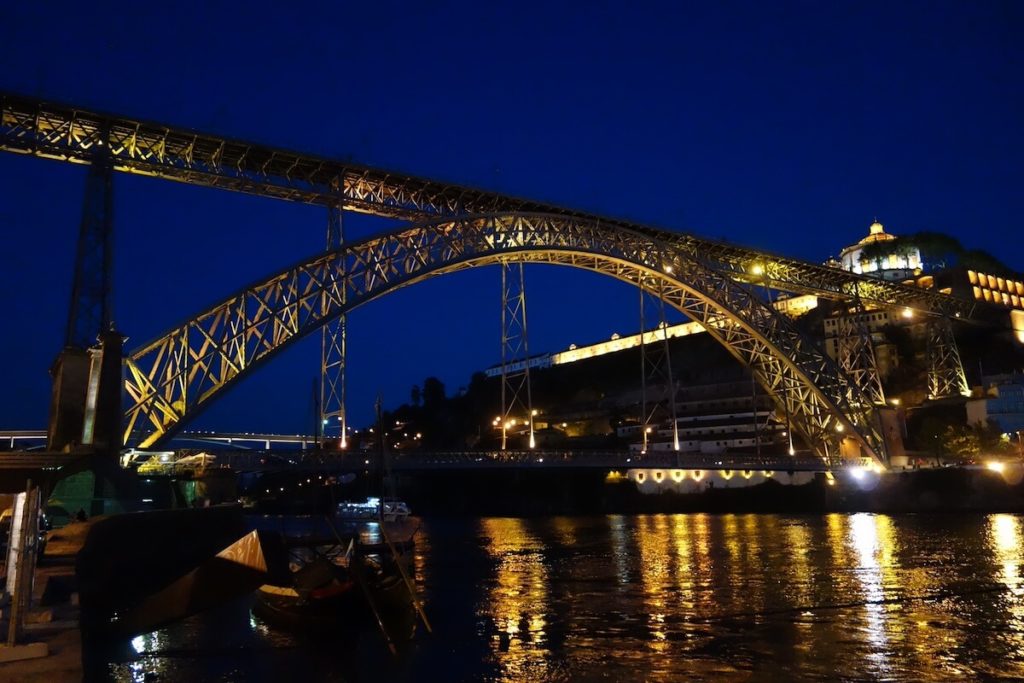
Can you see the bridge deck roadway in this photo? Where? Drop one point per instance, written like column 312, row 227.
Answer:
column 72, row 134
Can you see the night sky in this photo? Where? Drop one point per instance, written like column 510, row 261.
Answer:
column 785, row 126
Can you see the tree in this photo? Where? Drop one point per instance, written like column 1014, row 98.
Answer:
column 433, row 393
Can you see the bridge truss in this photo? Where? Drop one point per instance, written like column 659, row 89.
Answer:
column 55, row 131
column 171, row 378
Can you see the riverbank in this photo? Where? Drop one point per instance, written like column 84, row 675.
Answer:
column 53, row 618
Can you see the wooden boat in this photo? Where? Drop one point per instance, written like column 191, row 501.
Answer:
column 333, row 589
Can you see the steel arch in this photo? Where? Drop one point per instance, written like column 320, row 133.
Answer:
column 173, row 377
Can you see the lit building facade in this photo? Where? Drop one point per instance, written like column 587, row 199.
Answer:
column 794, row 307
column 1003, row 403
column 715, row 418
column 875, row 320
column 901, row 262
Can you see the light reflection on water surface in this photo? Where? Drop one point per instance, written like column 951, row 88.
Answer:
column 670, row 597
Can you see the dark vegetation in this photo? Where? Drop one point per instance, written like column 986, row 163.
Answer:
column 938, row 250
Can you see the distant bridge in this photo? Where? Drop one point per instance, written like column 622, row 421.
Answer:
column 15, row 438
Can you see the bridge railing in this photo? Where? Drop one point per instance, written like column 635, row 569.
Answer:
column 418, row 460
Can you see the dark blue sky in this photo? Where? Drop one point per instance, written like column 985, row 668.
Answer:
column 786, row 126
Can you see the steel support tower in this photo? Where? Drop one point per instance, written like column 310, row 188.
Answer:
column 855, row 350
column 656, row 369
column 91, row 309
column 516, row 398
column 333, row 349
column 85, row 407
column 946, row 376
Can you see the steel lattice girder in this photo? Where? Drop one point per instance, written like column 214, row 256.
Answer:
column 31, row 126
column 946, row 376
column 173, row 377
column 856, row 350
column 333, row 352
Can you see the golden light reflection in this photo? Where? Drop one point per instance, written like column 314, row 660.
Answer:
column 519, row 600
column 873, row 539
column 655, row 576
column 1005, row 532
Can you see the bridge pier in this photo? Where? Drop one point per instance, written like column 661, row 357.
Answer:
column 85, row 409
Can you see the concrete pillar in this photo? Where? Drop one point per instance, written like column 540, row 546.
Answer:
column 70, row 373
column 107, row 434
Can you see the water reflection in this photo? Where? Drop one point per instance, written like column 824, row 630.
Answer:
column 871, row 538
column 1005, row 535
column 518, row 601
column 862, row 596
column 688, row 597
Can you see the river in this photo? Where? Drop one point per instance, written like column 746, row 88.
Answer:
column 660, row 598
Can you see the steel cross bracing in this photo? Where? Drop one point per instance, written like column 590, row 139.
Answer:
column 333, row 343
column 855, row 349
column 31, row 126
column 656, row 370
column 856, row 356
column 175, row 376
column 91, row 307
column 946, row 376
column 516, row 396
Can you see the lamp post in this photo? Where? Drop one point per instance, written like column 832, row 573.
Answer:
column 901, row 414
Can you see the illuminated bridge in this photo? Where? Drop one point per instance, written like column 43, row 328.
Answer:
column 835, row 405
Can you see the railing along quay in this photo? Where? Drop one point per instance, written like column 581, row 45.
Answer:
column 460, row 460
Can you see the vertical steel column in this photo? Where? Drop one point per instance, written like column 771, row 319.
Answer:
column 91, row 310
column 656, row 367
column 946, row 376
column 515, row 350
column 332, row 350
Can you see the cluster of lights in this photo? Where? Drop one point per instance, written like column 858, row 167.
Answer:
column 859, row 472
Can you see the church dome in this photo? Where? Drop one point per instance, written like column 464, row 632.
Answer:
column 895, row 263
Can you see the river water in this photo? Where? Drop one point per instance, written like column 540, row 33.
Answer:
column 660, row 598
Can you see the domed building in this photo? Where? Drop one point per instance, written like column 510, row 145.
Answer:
column 900, row 262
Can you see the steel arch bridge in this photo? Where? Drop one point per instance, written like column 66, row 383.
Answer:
column 171, row 379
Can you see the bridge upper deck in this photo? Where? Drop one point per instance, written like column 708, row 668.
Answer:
column 65, row 133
